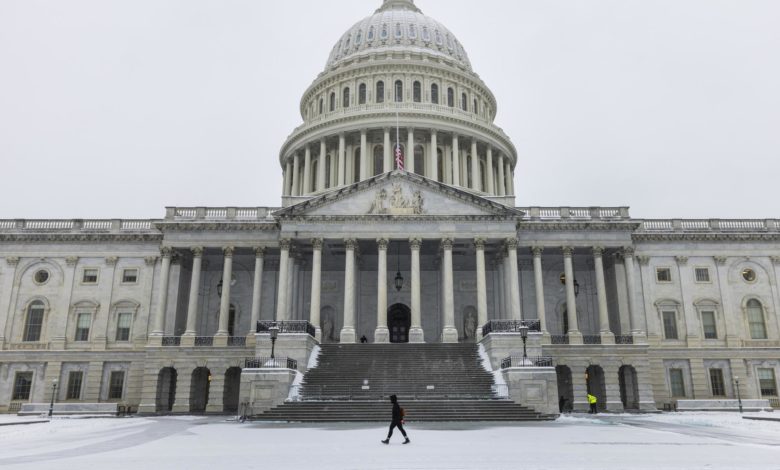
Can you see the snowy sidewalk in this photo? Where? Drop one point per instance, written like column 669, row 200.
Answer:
column 604, row 442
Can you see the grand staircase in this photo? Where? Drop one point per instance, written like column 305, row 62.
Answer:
column 433, row 382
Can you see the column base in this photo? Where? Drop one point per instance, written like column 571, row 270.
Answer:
column 382, row 335
column 575, row 337
column 416, row 335
column 181, row 408
column 147, row 409
column 449, row 335
column 607, row 337
column 155, row 340
column 188, row 340
column 640, row 337
column 318, row 334
column 347, row 335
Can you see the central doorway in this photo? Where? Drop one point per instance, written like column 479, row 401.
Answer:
column 399, row 320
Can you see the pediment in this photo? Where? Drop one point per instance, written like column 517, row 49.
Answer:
column 399, row 194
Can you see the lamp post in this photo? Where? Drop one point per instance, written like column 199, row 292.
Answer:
column 274, row 332
column 53, row 395
column 524, row 334
column 739, row 398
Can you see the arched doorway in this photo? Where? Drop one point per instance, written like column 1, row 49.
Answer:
column 594, row 379
column 199, row 390
column 166, row 390
column 629, row 388
column 399, row 320
column 232, row 388
column 565, row 389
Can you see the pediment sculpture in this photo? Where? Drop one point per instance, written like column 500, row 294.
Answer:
column 396, row 203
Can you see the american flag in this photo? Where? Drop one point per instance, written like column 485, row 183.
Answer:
column 399, row 158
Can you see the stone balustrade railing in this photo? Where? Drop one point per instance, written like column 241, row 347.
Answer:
column 575, row 213
column 710, row 225
column 78, row 225
column 219, row 213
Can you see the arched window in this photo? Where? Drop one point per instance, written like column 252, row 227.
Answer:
column 435, row 94
column 345, row 98
column 417, row 92
column 450, row 97
column 359, row 37
column 34, row 323
column 438, row 37
column 380, row 92
column 426, row 34
column 399, row 91
column 379, row 159
column 419, row 160
column 412, row 31
column 398, row 31
column 362, row 94
column 370, row 36
column 464, row 102
column 322, row 103
column 332, row 104
column 476, row 107
column 755, row 313
column 383, row 32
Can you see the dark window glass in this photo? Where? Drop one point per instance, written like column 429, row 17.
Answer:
column 716, row 381
column 380, row 92
column 116, row 384
column 464, row 102
column 22, row 386
column 417, row 92
column 677, row 382
column 670, row 325
column 34, row 324
column 450, row 97
column 75, row 378
column 82, row 326
column 435, row 94
column 332, row 104
column 399, row 91
column 767, row 382
column 345, row 98
column 708, row 324
column 130, row 276
column 362, row 94
column 123, row 323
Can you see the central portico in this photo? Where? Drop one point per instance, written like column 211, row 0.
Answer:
column 400, row 240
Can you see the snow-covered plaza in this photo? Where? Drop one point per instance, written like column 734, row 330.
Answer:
column 667, row 441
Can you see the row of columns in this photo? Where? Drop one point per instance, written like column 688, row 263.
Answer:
column 454, row 164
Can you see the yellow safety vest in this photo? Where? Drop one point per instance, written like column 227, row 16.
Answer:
column 591, row 399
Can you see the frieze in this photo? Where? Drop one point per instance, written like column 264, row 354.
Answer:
column 397, row 203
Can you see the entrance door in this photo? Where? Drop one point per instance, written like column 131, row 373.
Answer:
column 399, row 320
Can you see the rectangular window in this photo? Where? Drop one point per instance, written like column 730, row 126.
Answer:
column 663, row 275
column 756, row 323
column 670, row 325
column 702, row 274
column 677, row 383
column 83, row 322
column 708, row 324
column 116, row 384
column 22, row 386
column 32, row 330
column 130, row 276
column 716, row 382
column 123, row 326
column 75, row 378
column 89, row 276
column 767, row 383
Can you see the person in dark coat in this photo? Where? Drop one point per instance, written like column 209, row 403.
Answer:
column 397, row 422
column 562, row 404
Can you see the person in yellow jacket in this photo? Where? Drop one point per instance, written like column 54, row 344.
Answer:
column 592, row 400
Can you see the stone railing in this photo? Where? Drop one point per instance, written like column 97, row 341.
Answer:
column 575, row 213
column 710, row 225
column 78, row 225
column 220, row 213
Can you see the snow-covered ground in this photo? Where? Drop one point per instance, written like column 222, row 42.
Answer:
column 603, row 442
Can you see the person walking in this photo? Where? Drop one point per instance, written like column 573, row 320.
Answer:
column 397, row 421
column 592, row 400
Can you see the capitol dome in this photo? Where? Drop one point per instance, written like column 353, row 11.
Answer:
column 398, row 25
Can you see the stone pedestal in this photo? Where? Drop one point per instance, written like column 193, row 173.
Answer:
column 499, row 346
column 416, row 335
column 265, row 388
column 382, row 335
column 449, row 335
column 535, row 387
column 296, row 346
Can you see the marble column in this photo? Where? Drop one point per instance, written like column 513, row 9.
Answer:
column 633, row 308
column 601, row 295
column 416, row 332
column 479, row 245
column 409, row 157
column 287, row 178
column 539, row 287
column 363, row 155
column 348, row 330
column 381, row 334
column 508, row 313
column 455, row 161
column 434, row 173
column 306, row 183
column 342, row 162
column 450, row 333
column 575, row 337
column 489, row 169
column 316, row 284
column 387, row 152
column 510, row 180
column 257, row 289
column 224, row 305
column 321, row 165
column 501, row 177
column 476, row 181
column 284, row 262
column 514, row 279
column 192, row 306
column 162, row 302
column 296, row 190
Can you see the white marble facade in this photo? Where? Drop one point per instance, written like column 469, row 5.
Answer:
column 149, row 312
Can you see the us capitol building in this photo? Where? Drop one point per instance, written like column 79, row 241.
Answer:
column 161, row 314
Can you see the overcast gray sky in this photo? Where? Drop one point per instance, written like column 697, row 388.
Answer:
column 116, row 109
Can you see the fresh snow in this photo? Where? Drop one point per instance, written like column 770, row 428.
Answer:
column 679, row 441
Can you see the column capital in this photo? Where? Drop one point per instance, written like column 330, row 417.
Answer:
column 166, row 251
column 479, row 243
column 71, row 260
column 259, row 251
column 111, row 260
column 228, row 251
column 537, row 250
column 721, row 260
column 382, row 243
column 598, row 251
column 434, row 132
column 681, row 260
column 511, row 243
column 446, row 243
column 12, row 260
column 285, row 243
column 150, row 260
column 351, row 243
column 628, row 251
column 415, row 243
column 567, row 250
column 317, row 243
column 643, row 260
column 197, row 251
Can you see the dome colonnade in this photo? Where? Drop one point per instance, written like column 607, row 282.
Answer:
column 401, row 77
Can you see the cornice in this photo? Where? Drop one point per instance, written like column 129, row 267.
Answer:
column 79, row 237
column 242, row 226
column 706, row 237
column 568, row 226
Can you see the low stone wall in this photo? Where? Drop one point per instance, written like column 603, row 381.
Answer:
column 108, row 409
column 723, row 405
column 502, row 345
column 296, row 346
column 535, row 387
column 265, row 388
